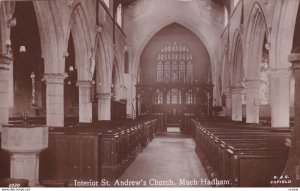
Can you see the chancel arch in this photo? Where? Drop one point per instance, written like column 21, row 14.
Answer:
column 176, row 21
column 176, row 62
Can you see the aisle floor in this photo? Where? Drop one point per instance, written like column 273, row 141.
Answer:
column 168, row 160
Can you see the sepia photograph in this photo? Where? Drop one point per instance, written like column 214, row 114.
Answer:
column 149, row 94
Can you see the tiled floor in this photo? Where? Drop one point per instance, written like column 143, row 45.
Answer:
column 168, row 160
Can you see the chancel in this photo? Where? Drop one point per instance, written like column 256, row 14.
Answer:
column 149, row 93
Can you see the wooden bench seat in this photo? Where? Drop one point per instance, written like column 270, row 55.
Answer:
column 233, row 150
column 113, row 145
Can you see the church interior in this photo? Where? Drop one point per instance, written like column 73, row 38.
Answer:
column 150, row 93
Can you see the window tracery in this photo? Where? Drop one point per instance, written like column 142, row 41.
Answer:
column 174, row 96
column 158, row 97
column 190, row 97
column 119, row 15
column 174, row 64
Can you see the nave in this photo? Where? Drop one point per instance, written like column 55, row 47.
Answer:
column 88, row 87
column 170, row 156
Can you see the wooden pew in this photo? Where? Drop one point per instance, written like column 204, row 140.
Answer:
column 229, row 148
column 72, row 154
column 118, row 143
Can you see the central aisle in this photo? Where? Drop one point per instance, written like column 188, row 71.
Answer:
column 168, row 160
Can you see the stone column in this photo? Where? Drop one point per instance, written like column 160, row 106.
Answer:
column 228, row 102
column 55, row 99
column 279, row 97
column 139, row 104
column 104, row 106
column 134, row 101
column 236, row 103
column 252, row 101
column 85, row 104
column 292, row 168
column 7, row 22
column 128, row 88
column 210, row 99
column 5, row 63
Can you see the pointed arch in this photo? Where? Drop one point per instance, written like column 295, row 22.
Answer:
column 236, row 61
column 257, row 29
column 102, row 63
column 50, row 35
column 285, row 14
column 78, row 26
column 116, row 79
column 164, row 24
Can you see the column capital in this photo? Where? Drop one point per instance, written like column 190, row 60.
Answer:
column 5, row 62
column 237, row 90
column 55, row 78
column 104, row 96
column 294, row 58
column 227, row 91
column 84, row 83
column 280, row 73
column 250, row 84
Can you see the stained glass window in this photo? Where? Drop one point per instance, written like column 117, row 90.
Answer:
column 160, row 70
column 181, row 71
column 167, row 72
column 174, row 71
column 189, row 72
column 174, row 96
column 174, row 64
